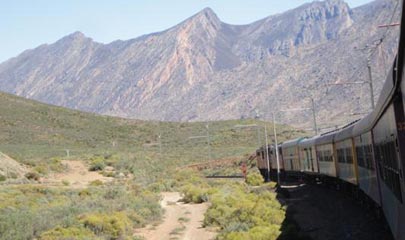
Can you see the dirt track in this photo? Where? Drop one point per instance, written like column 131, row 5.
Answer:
column 181, row 221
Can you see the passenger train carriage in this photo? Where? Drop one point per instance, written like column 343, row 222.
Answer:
column 368, row 155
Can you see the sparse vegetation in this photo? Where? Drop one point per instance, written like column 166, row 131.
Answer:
column 41, row 136
column 107, row 212
column 97, row 164
column 242, row 214
column 112, row 225
column 32, row 176
column 254, row 179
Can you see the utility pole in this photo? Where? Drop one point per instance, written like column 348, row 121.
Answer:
column 370, row 82
column 267, row 152
column 314, row 116
column 160, row 146
column 208, row 141
column 277, row 157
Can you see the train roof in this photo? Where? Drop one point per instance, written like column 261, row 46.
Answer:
column 292, row 142
column 344, row 133
column 325, row 138
column 308, row 141
column 364, row 125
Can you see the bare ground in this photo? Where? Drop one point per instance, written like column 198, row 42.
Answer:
column 77, row 175
column 181, row 221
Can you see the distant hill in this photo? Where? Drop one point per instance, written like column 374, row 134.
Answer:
column 37, row 134
column 204, row 69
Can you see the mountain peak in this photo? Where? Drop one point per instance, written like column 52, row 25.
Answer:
column 76, row 35
column 206, row 15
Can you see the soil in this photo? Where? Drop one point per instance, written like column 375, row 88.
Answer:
column 322, row 212
column 77, row 175
column 181, row 221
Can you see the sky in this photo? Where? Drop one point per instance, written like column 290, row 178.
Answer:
column 26, row 24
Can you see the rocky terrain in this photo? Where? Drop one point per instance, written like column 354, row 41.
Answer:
column 204, row 69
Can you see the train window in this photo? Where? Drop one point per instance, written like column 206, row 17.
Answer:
column 349, row 155
column 387, row 159
column 340, row 155
column 368, row 152
column 361, row 159
column 319, row 156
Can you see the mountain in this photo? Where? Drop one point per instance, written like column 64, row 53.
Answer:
column 204, row 69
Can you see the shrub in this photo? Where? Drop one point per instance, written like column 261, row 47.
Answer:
column 60, row 233
column 41, row 169
column 255, row 233
column 241, row 214
column 114, row 225
column 84, row 193
column 97, row 164
column 65, row 182
column 254, row 179
column 2, row 178
column 194, row 194
column 32, row 176
column 96, row 183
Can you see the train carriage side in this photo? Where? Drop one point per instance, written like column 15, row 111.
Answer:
column 345, row 155
column 261, row 163
column 389, row 151
column 308, row 157
column 291, row 156
column 396, row 167
column 364, row 148
column 325, row 153
column 273, row 162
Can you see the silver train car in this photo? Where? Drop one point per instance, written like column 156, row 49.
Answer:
column 366, row 157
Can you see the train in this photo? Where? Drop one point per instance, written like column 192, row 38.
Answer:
column 365, row 157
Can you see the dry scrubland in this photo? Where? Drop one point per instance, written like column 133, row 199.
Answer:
column 114, row 210
column 127, row 151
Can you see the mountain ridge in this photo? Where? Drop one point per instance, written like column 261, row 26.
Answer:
column 205, row 69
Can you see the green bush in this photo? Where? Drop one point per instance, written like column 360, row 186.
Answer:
column 60, row 233
column 96, row 183
column 65, row 182
column 97, row 164
column 194, row 194
column 254, row 179
column 2, row 178
column 114, row 225
column 255, row 233
column 32, row 176
column 241, row 214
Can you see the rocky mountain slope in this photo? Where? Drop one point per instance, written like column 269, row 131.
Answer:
column 204, row 69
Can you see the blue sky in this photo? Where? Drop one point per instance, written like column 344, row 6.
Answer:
column 26, row 24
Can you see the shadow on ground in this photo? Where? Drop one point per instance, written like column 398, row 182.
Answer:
column 318, row 212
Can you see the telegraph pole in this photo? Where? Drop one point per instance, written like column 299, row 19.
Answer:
column 277, row 157
column 370, row 82
column 267, row 151
column 208, row 141
column 314, row 116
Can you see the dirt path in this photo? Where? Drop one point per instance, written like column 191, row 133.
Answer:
column 77, row 175
column 181, row 221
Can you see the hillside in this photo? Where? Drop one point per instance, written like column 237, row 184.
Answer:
column 204, row 69
column 39, row 135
